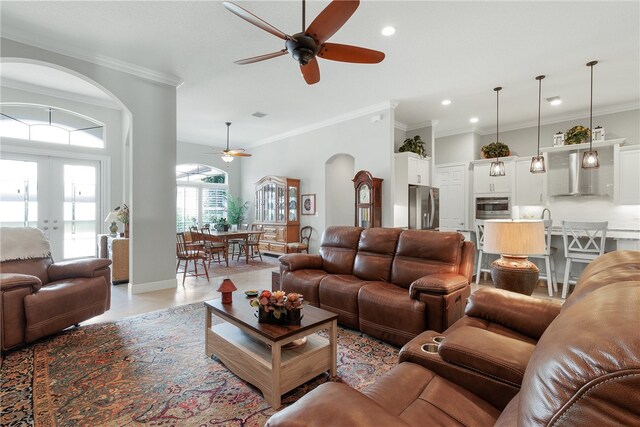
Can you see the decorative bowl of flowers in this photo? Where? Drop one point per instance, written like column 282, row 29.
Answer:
column 278, row 308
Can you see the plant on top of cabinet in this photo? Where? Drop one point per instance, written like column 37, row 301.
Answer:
column 495, row 150
column 414, row 145
column 576, row 135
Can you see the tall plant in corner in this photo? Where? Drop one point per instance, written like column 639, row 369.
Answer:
column 236, row 209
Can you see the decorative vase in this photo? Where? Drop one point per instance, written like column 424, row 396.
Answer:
column 113, row 228
column 126, row 230
column 234, row 227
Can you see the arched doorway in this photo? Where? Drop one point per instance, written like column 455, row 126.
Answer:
column 339, row 172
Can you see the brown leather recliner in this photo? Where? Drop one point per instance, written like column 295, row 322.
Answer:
column 584, row 370
column 39, row 297
column 387, row 282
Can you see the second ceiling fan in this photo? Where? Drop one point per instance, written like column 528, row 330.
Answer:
column 311, row 42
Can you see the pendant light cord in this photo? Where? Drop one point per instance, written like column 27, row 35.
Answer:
column 591, row 64
column 497, row 89
column 539, row 78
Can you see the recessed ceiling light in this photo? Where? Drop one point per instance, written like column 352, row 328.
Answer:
column 446, row 102
column 474, row 120
column 388, row 31
column 554, row 100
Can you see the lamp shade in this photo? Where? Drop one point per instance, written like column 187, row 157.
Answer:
column 519, row 238
column 112, row 217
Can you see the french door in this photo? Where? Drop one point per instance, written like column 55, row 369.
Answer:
column 61, row 196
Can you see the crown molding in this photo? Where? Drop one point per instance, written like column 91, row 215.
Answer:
column 399, row 125
column 24, row 37
column 332, row 121
column 425, row 124
column 56, row 93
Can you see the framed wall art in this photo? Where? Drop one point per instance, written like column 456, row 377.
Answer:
column 308, row 204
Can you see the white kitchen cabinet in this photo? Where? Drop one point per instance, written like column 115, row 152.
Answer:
column 627, row 175
column 530, row 187
column 483, row 183
column 412, row 168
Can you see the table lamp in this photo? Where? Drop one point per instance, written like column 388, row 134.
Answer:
column 112, row 218
column 514, row 240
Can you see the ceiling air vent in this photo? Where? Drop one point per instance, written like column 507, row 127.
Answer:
column 258, row 114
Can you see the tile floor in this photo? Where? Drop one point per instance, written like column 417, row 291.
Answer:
column 198, row 289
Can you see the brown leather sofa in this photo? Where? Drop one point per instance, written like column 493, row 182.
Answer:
column 39, row 297
column 584, row 368
column 390, row 283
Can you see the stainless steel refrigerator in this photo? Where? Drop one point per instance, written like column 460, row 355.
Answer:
column 424, row 208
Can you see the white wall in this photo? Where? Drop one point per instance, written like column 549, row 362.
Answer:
column 152, row 106
column 454, row 148
column 304, row 156
column 114, row 145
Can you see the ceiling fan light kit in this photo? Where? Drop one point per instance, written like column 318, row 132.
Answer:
column 309, row 44
column 228, row 155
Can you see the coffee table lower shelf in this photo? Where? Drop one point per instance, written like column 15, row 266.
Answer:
column 265, row 364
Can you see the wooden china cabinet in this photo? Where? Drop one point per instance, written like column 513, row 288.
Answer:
column 368, row 200
column 277, row 212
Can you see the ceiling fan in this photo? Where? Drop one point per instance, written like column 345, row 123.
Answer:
column 228, row 155
column 311, row 42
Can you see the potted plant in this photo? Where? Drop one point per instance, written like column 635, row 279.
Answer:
column 576, row 135
column 494, row 150
column 414, row 145
column 271, row 306
column 122, row 213
column 236, row 209
column 222, row 224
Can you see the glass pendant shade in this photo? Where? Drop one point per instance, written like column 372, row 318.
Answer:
column 227, row 158
column 497, row 168
column 537, row 164
column 590, row 159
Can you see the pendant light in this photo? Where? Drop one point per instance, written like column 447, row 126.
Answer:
column 590, row 158
column 225, row 155
column 537, row 161
column 497, row 167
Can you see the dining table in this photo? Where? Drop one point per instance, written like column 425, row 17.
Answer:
column 225, row 236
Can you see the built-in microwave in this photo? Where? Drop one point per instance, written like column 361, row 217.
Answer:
column 493, row 208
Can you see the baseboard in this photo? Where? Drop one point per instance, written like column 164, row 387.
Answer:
column 152, row 286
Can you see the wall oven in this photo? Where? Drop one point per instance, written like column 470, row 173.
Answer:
column 493, row 208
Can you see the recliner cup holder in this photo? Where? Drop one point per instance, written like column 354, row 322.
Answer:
column 438, row 339
column 430, row 348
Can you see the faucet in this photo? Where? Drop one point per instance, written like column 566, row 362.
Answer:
column 545, row 210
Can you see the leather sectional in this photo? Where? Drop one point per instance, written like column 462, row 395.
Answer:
column 578, row 364
column 390, row 283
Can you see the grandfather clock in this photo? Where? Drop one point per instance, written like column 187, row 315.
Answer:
column 368, row 200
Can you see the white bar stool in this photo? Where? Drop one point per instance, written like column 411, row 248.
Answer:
column 583, row 242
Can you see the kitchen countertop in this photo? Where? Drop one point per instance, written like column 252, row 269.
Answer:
column 612, row 233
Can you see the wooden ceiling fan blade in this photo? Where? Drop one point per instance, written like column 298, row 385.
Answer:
column 261, row 57
column 253, row 19
column 331, row 19
column 240, row 154
column 348, row 53
column 311, row 72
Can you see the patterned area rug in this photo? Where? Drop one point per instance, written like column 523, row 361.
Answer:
column 151, row 370
column 235, row 266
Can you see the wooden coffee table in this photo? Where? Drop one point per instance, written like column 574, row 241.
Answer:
column 253, row 351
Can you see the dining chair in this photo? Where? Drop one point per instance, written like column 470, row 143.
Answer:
column 190, row 252
column 303, row 244
column 583, row 242
column 253, row 244
column 214, row 246
column 550, row 266
column 237, row 242
column 479, row 223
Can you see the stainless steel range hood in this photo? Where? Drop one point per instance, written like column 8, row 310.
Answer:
column 580, row 182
